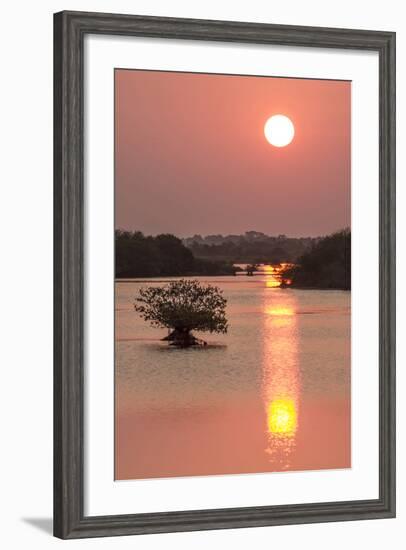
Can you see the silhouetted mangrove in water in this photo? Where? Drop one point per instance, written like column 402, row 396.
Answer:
column 183, row 306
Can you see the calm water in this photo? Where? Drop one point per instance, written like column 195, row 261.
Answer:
column 271, row 395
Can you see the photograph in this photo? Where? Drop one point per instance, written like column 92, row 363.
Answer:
column 232, row 282
column 201, row 324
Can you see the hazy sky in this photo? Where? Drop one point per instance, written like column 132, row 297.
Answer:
column 191, row 155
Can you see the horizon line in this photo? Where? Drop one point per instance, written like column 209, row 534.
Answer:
column 190, row 236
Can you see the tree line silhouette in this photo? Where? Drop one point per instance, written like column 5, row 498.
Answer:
column 326, row 265
column 252, row 247
column 137, row 255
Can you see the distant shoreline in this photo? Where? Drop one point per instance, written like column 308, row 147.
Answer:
column 234, row 279
column 323, row 264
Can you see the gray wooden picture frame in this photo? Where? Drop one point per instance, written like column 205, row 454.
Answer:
column 70, row 29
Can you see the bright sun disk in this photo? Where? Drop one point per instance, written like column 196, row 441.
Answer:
column 279, row 130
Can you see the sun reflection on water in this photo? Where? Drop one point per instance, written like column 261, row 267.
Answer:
column 274, row 275
column 278, row 311
column 272, row 282
column 281, row 377
column 282, row 417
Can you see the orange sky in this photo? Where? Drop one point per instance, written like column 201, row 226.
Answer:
column 191, row 156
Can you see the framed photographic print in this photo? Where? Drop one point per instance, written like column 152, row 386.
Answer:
column 224, row 274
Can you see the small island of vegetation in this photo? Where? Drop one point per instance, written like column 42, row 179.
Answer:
column 183, row 306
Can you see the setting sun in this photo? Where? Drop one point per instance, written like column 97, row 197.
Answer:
column 279, row 130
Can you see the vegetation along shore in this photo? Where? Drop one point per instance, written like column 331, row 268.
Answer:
column 319, row 263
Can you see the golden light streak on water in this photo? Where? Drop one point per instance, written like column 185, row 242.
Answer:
column 281, row 377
